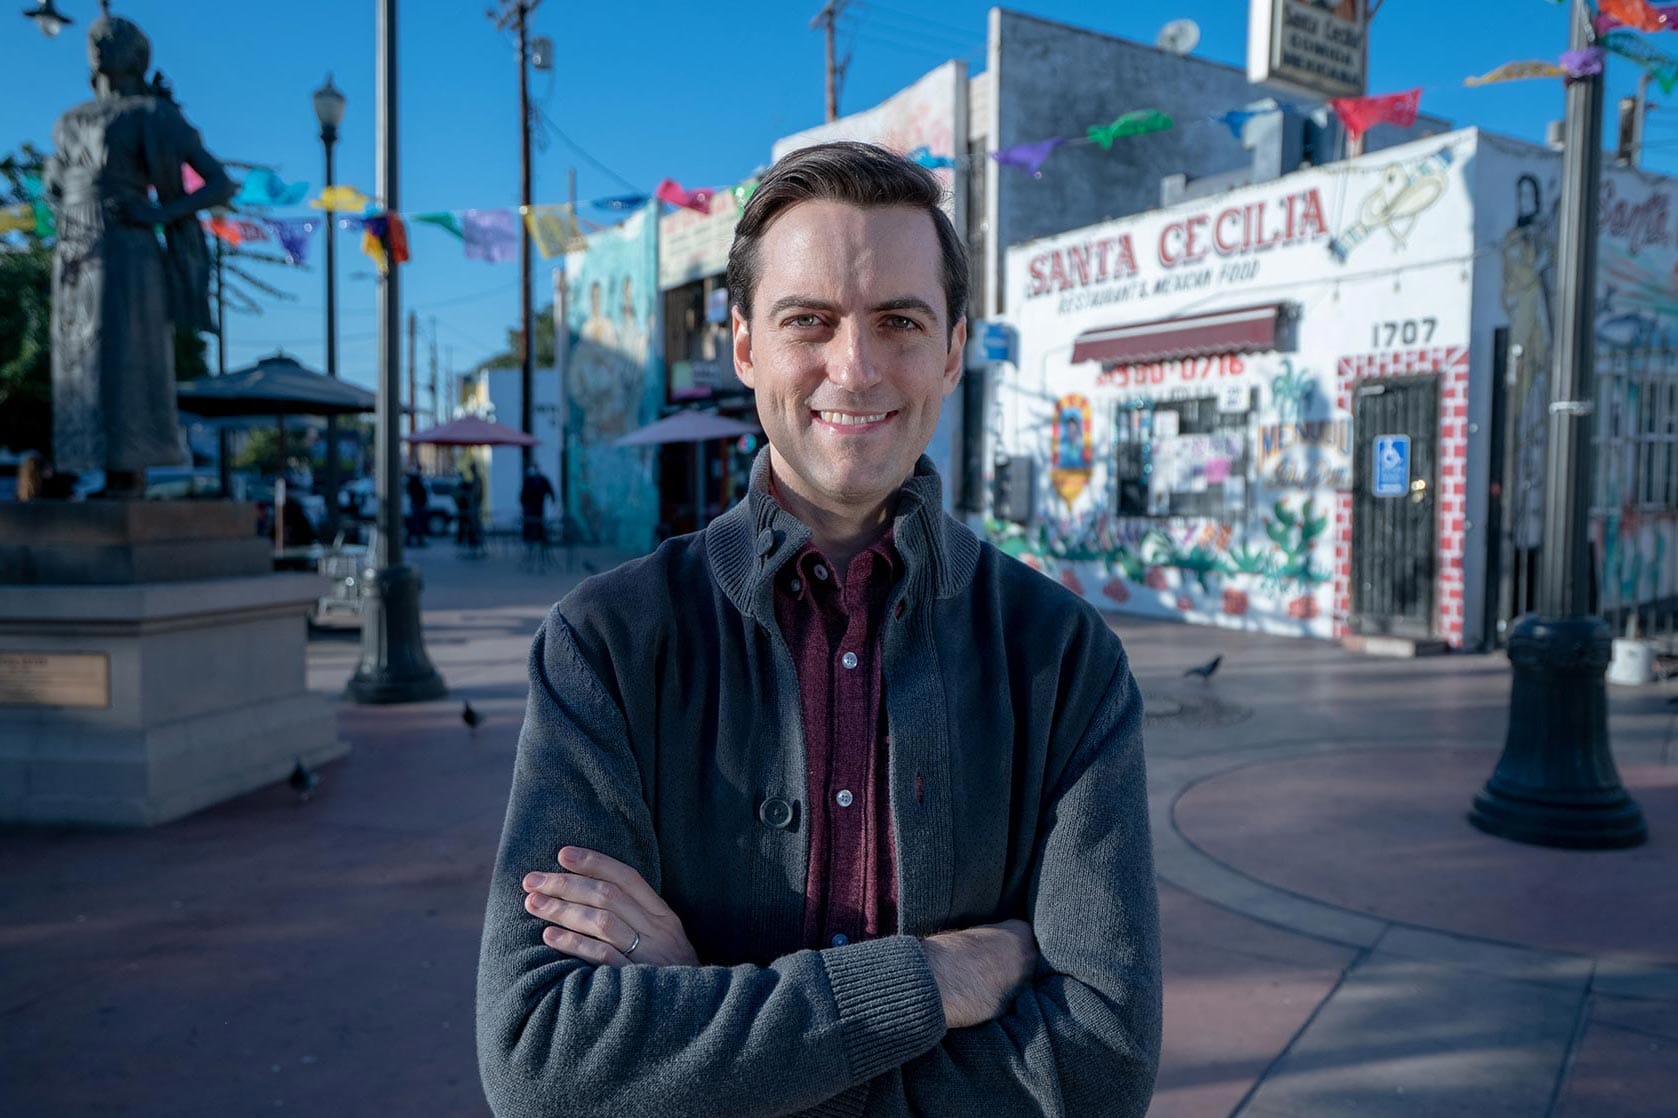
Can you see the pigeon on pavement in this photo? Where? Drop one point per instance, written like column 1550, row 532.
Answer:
column 304, row 780
column 1204, row 671
column 469, row 716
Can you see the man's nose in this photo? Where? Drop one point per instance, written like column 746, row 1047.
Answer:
column 854, row 366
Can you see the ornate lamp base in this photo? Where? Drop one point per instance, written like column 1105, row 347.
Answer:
column 394, row 667
column 1556, row 784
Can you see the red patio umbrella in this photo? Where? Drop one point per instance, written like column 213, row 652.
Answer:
column 469, row 430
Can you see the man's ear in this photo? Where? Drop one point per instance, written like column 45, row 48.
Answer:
column 742, row 346
column 954, row 359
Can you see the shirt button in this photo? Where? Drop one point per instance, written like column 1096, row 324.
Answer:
column 845, row 798
column 849, row 660
column 820, row 571
column 841, row 939
column 797, row 586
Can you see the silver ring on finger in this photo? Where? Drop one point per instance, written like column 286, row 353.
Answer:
column 630, row 950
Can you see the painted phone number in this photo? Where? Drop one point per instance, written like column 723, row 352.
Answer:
column 1189, row 370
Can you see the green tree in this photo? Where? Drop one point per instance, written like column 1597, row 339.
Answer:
column 545, row 350
column 25, row 318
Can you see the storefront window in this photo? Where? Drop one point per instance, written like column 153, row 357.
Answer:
column 1179, row 458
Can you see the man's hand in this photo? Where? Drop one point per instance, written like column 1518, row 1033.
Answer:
column 599, row 907
column 979, row 969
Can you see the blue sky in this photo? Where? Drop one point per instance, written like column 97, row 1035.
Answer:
column 695, row 92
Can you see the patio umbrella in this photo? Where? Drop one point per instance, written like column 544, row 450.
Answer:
column 469, row 430
column 277, row 386
column 687, row 427
column 694, row 427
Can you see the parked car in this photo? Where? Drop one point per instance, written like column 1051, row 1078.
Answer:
column 361, row 499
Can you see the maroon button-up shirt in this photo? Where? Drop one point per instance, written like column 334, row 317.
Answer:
column 833, row 631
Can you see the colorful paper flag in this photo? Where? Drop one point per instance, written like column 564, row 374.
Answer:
column 293, row 233
column 191, row 181
column 743, row 192
column 1662, row 67
column 342, row 199
column 380, row 231
column 1027, row 157
column 671, row 191
column 45, row 224
column 226, row 228
column 620, row 203
column 923, row 157
column 32, row 188
column 1130, row 124
column 1518, row 71
column 553, row 228
column 263, row 187
column 491, row 235
column 1236, row 120
column 1360, row 114
column 1578, row 64
column 1633, row 13
column 18, row 219
column 444, row 219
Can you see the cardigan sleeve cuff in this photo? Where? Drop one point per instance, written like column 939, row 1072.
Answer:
column 890, row 1010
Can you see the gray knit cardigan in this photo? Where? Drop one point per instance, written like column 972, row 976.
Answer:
column 663, row 728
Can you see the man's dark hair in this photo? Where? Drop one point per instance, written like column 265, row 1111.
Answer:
column 859, row 175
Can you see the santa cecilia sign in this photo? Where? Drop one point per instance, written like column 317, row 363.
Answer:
column 1316, row 47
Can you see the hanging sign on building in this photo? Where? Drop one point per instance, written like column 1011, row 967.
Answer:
column 1318, row 48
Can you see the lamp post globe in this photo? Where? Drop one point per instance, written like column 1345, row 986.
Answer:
column 48, row 18
column 329, row 105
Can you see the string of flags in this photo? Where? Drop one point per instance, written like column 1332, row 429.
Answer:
column 493, row 235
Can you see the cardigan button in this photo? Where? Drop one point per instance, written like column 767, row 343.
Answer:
column 776, row 813
column 765, row 542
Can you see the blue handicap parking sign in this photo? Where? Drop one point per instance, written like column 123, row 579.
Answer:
column 1392, row 466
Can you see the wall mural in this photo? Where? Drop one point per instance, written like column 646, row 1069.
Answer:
column 614, row 382
column 1636, row 313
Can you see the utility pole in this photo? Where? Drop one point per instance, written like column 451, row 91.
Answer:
column 828, row 17
column 562, row 354
column 413, row 390
column 1556, row 784
column 516, row 13
column 431, row 416
column 393, row 667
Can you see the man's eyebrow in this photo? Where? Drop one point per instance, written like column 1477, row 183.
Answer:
column 805, row 302
column 812, row 302
column 904, row 303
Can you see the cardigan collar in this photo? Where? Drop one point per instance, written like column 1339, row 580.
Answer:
column 751, row 541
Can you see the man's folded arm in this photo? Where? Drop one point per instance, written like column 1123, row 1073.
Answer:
column 560, row 1036
column 1083, row 1038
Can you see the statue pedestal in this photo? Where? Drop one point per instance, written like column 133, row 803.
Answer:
column 118, row 542
column 127, row 702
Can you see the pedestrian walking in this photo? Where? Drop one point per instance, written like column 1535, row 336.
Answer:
column 418, row 498
column 831, row 807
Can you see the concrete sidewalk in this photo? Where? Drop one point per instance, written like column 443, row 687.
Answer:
column 1338, row 940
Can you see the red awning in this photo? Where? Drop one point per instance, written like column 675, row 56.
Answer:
column 1237, row 330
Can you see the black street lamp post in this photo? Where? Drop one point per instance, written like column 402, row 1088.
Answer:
column 329, row 110
column 394, row 667
column 1555, row 784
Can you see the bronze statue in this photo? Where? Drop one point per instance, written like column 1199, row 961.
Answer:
column 119, row 290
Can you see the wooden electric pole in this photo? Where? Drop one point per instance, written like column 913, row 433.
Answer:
column 828, row 18
column 413, row 391
column 516, row 14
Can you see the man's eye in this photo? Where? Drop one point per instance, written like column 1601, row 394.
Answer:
column 805, row 321
column 902, row 322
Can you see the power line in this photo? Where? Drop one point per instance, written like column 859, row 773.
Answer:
column 873, row 19
column 913, row 17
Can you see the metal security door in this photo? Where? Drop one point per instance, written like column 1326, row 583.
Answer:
column 1395, row 456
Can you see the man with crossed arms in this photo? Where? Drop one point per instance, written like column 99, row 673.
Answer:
column 830, row 808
